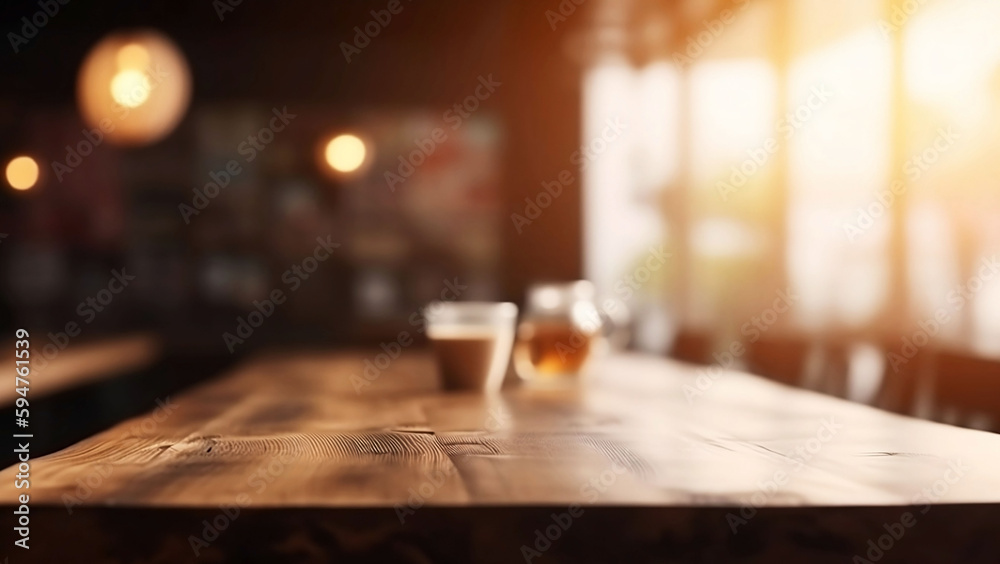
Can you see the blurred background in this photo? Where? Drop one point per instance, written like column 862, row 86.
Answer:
column 811, row 181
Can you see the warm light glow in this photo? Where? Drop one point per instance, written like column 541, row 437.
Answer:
column 133, row 57
column 22, row 173
column 134, row 87
column 130, row 88
column 345, row 153
column 727, row 126
column 951, row 53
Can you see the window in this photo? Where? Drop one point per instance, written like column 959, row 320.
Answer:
column 835, row 148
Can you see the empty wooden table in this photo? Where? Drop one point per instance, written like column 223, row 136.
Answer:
column 344, row 457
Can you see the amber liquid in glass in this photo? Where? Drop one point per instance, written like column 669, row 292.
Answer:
column 551, row 349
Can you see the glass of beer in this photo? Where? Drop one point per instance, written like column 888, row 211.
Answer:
column 559, row 333
column 471, row 342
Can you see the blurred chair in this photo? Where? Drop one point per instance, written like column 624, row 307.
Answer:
column 829, row 367
column 692, row 346
column 857, row 371
column 905, row 380
column 965, row 391
column 782, row 360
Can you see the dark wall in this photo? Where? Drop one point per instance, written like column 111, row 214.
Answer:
column 289, row 53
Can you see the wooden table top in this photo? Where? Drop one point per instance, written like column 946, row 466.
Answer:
column 309, row 430
column 83, row 363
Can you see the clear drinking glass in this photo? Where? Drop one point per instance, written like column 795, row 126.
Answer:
column 472, row 342
column 560, row 332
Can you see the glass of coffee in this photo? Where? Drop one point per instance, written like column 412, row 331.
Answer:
column 472, row 342
column 559, row 334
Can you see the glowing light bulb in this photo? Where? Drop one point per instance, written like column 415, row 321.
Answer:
column 345, row 153
column 133, row 57
column 22, row 173
column 130, row 88
column 135, row 86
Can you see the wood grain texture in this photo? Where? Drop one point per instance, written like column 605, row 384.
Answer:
column 292, row 431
